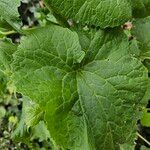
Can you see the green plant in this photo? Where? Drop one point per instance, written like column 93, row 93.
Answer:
column 87, row 72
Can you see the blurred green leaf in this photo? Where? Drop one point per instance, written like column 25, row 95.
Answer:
column 144, row 148
column 2, row 112
column 40, row 131
column 126, row 147
column 145, row 120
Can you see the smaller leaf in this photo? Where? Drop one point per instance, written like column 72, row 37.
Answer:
column 32, row 113
column 40, row 131
column 126, row 147
column 21, row 133
column 2, row 112
column 51, row 18
column 3, row 83
column 142, row 34
column 144, row 148
column 145, row 120
column 147, row 93
column 141, row 8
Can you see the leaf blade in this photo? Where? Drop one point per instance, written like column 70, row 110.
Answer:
column 89, row 12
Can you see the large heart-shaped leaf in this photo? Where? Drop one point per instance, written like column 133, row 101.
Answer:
column 88, row 103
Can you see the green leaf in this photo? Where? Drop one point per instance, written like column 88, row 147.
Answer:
column 32, row 113
column 40, row 132
column 89, row 103
column 142, row 33
column 101, row 13
column 126, row 147
column 85, row 37
column 107, row 88
column 58, row 58
column 30, row 118
column 9, row 11
column 147, row 93
column 2, row 112
column 144, row 148
column 50, row 17
column 145, row 120
column 146, row 63
column 4, row 25
column 21, row 133
column 98, row 39
column 7, row 48
column 141, row 8
column 3, row 83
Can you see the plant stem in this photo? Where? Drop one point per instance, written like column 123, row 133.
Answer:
column 140, row 136
column 7, row 33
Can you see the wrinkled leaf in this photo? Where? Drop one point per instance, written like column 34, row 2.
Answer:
column 9, row 12
column 83, row 98
column 142, row 34
column 145, row 120
column 103, row 13
column 7, row 48
column 32, row 113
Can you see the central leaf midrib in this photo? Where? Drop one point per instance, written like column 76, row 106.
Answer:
column 83, row 110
